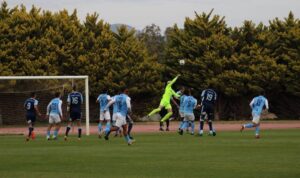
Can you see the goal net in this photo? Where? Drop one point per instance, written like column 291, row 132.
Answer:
column 14, row 90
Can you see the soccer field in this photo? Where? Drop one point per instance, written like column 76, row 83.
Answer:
column 229, row 154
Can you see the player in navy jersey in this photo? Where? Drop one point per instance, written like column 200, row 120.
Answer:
column 257, row 105
column 208, row 99
column 122, row 107
column 74, row 100
column 31, row 107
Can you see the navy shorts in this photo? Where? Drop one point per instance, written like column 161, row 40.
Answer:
column 30, row 119
column 207, row 109
column 75, row 116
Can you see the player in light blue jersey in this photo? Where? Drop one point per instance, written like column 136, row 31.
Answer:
column 103, row 100
column 257, row 105
column 189, row 104
column 182, row 93
column 122, row 107
column 54, row 114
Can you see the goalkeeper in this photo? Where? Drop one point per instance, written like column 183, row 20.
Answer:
column 165, row 101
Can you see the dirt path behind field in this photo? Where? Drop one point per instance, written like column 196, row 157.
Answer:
column 151, row 127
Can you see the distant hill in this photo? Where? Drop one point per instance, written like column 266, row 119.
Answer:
column 114, row 27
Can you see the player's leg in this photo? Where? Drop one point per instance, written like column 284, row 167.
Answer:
column 167, row 124
column 255, row 120
column 51, row 123
column 192, row 123
column 57, row 122
column 169, row 114
column 101, row 119
column 183, row 126
column 30, row 127
column 107, row 119
column 125, row 133
column 162, row 113
column 79, row 128
column 202, row 119
column 68, row 128
column 257, row 130
column 154, row 111
column 130, row 126
column 114, row 127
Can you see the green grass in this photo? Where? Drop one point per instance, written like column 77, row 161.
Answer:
column 229, row 154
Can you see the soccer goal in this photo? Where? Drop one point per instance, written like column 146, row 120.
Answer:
column 14, row 90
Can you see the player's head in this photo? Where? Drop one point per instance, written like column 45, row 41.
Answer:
column 262, row 93
column 182, row 88
column 191, row 90
column 74, row 87
column 105, row 90
column 32, row 95
column 125, row 90
column 57, row 94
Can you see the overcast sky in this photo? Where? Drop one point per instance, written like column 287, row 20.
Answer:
column 165, row 13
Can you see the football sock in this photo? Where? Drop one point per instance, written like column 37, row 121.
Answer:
column 257, row 130
column 210, row 125
column 30, row 131
column 55, row 133
column 185, row 125
column 99, row 127
column 201, row 125
column 193, row 126
column 79, row 132
column 68, row 130
column 48, row 134
column 249, row 125
column 166, row 117
column 154, row 111
column 130, row 125
column 107, row 125
column 127, row 138
column 161, row 124
column 168, row 123
column 181, row 123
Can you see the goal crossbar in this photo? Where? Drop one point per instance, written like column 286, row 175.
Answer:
column 85, row 77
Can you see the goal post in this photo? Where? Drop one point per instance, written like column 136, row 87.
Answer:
column 85, row 77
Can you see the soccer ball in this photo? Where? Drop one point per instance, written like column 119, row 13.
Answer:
column 181, row 61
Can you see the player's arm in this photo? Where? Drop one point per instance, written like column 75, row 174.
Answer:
column 174, row 80
column 36, row 108
column 48, row 110
column 81, row 97
column 109, row 104
column 175, row 103
column 196, row 104
column 176, row 95
column 68, row 103
column 128, row 103
column 267, row 104
column 251, row 103
column 60, row 110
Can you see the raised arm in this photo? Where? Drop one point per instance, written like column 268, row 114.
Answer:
column 174, row 80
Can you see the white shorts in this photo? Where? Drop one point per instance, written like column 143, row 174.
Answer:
column 189, row 117
column 256, row 118
column 120, row 120
column 114, row 117
column 181, row 114
column 105, row 116
column 54, row 119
